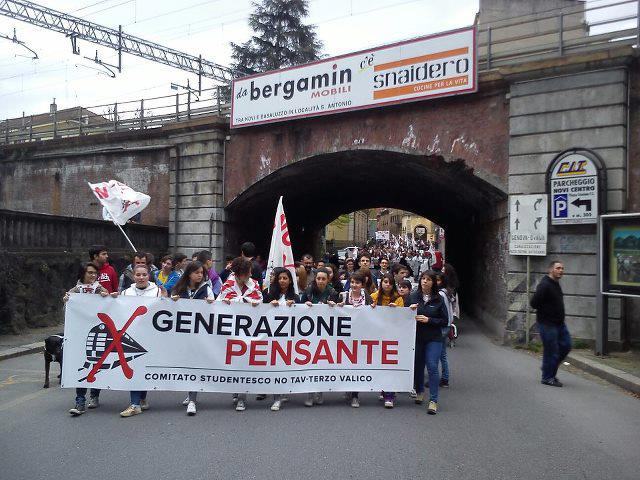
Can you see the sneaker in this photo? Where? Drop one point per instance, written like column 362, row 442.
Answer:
column 240, row 406
column 355, row 403
column 276, row 406
column 77, row 410
column 558, row 382
column 262, row 396
column 413, row 393
column 93, row 402
column 186, row 401
column 388, row 404
column 419, row 398
column 318, row 399
column 444, row 383
column 144, row 405
column 433, row 408
column 191, row 409
column 551, row 382
column 131, row 410
column 309, row 401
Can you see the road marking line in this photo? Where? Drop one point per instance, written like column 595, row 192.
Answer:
column 23, row 399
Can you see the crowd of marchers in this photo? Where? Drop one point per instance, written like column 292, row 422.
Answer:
column 359, row 282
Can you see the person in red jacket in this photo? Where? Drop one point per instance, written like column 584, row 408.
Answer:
column 107, row 276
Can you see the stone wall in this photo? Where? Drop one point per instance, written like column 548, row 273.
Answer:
column 198, row 185
column 548, row 116
column 50, row 177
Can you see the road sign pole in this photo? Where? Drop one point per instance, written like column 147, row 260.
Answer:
column 527, row 308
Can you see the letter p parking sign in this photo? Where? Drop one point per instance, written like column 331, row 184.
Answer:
column 560, row 206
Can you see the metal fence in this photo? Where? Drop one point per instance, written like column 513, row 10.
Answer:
column 25, row 231
column 543, row 35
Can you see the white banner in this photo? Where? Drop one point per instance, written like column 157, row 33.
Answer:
column 119, row 201
column 137, row 343
column 382, row 235
column 426, row 67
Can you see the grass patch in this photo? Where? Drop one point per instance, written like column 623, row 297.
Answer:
column 579, row 344
column 533, row 346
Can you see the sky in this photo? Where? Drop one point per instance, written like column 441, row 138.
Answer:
column 192, row 26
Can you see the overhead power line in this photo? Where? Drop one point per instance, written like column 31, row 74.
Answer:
column 78, row 28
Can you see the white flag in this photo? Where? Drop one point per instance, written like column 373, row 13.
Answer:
column 280, row 254
column 120, row 202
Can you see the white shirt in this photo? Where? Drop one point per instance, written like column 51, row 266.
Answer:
column 152, row 290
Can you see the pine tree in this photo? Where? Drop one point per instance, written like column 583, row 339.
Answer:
column 280, row 38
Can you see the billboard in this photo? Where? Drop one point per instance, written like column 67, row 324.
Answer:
column 417, row 69
column 620, row 254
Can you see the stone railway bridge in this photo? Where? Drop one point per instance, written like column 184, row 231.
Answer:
column 455, row 160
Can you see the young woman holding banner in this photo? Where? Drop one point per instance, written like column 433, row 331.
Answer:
column 387, row 296
column 240, row 287
column 320, row 291
column 192, row 285
column 280, row 292
column 432, row 316
column 87, row 283
column 141, row 288
column 357, row 297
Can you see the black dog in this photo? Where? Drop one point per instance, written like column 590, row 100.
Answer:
column 52, row 353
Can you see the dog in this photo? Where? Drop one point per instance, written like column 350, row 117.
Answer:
column 52, row 353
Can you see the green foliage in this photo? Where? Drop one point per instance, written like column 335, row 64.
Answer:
column 280, row 38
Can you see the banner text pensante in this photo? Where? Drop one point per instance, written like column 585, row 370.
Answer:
column 437, row 65
column 192, row 345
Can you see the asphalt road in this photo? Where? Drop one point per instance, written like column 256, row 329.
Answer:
column 495, row 422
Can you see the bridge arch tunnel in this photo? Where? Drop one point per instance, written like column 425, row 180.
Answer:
column 319, row 188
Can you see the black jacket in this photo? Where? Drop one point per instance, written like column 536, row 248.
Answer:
column 436, row 310
column 268, row 297
column 548, row 302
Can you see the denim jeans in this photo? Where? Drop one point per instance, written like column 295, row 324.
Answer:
column 443, row 356
column 432, row 352
column 137, row 396
column 556, row 343
column 418, row 366
column 81, row 395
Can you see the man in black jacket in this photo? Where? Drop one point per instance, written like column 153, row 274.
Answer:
column 556, row 341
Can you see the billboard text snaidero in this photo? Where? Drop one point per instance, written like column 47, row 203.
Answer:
column 426, row 67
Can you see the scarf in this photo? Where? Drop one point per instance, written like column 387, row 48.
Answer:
column 231, row 291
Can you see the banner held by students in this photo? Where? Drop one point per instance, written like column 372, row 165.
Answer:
column 280, row 254
column 158, row 344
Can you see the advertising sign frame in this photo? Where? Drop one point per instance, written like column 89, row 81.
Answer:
column 240, row 86
column 609, row 226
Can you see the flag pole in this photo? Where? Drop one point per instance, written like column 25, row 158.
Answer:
column 125, row 235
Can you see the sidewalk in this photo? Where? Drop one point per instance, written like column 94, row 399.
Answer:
column 620, row 368
column 30, row 341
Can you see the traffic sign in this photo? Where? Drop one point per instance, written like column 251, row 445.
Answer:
column 574, row 189
column 528, row 219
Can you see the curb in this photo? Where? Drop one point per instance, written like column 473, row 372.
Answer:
column 612, row 375
column 21, row 350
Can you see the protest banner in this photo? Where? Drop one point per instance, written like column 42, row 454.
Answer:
column 158, row 344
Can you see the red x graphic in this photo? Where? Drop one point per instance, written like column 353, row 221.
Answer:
column 115, row 343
